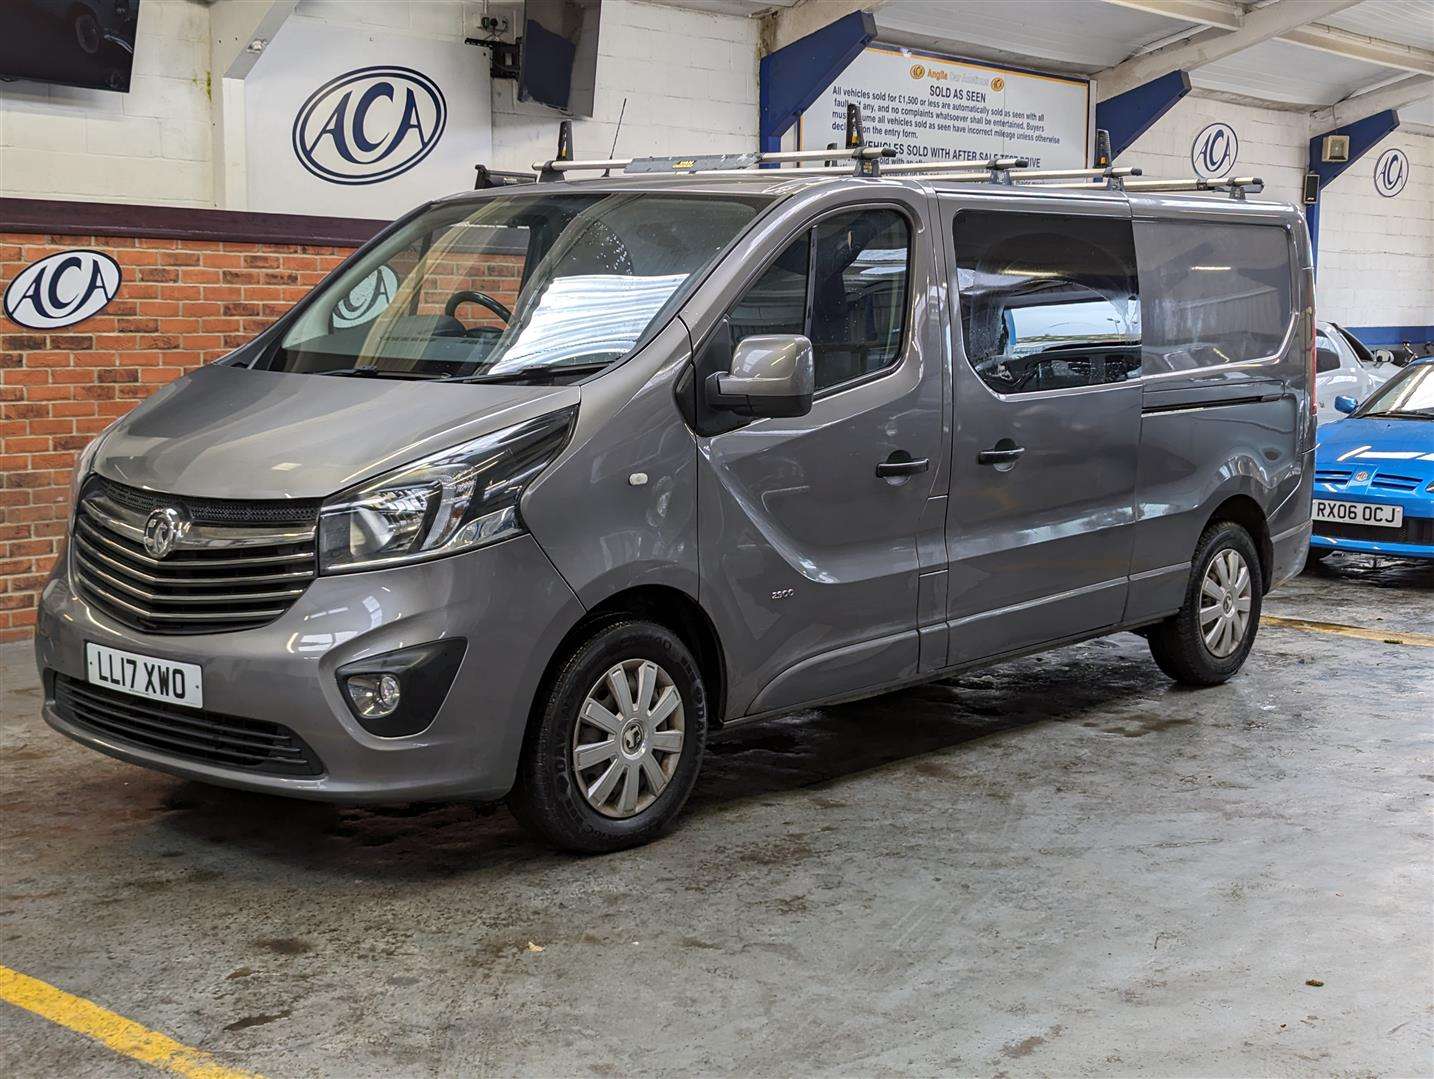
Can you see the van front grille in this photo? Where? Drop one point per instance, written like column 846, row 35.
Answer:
column 188, row 733
column 232, row 566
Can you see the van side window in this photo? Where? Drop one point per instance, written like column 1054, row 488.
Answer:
column 777, row 301
column 1048, row 301
column 1213, row 293
column 859, row 274
column 842, row 284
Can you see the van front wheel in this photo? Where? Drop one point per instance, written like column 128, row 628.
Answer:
column 1208, row 639
column 617, row 741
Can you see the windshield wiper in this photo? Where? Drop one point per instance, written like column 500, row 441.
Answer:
column 542, row 371
column 377, row 372
column 1398, row 415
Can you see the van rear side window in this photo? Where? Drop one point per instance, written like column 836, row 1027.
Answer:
column 1048, row 301
column 1213, row 293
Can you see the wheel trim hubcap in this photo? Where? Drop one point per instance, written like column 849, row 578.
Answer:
column 1225, row 603
column 628, row 737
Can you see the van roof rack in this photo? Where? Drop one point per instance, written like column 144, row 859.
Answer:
column 857, row 158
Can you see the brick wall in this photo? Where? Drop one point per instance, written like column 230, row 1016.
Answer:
column 182, row 303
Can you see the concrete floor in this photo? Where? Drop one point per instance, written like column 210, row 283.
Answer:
column 1060, row 866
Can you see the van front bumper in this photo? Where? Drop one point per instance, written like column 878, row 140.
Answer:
column 507, row 601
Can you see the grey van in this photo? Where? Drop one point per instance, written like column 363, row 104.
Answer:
column 547, row 483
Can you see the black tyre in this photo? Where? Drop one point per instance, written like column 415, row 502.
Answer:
column 616, row 742
column 1317, row 555
column 1208, row 639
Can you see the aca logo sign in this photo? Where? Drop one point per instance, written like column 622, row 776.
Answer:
column 1214, row 151
column 369, row 125
column 62, row 289
column 1391, row 173
column 366, row 300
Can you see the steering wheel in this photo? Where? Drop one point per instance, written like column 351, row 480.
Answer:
column 459, row 298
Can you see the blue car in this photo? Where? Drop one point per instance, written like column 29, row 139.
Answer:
column 1374, row 471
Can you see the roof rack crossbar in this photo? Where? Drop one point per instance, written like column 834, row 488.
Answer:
column 1006, row 171
column 1237, row 186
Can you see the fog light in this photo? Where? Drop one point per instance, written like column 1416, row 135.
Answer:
column 374, row 695
column 398, row 694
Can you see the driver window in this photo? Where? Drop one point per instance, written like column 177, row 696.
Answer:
column 1048, row 301
column 842, row 284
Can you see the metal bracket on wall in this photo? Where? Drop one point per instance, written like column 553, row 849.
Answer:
column 506, row 55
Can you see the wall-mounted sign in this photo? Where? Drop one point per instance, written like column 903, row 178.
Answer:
column 1391, row 172
column 369, row 125
column 62, row 289
column 926, row 106
column 1214, row 151
column 362, row 123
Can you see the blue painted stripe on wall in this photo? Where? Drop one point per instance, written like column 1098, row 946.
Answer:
column 1380, row 336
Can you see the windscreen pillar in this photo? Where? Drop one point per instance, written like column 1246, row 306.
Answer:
column 1364, row 135
column 1129, row 115
column 793, row 77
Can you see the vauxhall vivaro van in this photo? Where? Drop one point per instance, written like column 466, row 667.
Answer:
column 548, row 482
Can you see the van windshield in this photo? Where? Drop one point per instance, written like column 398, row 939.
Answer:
column 517, row 287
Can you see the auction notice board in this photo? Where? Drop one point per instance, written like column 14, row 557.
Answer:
column 935, row 107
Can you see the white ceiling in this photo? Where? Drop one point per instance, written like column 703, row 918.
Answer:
column 1279, row 72
column 1088, row 36
column 1408, row 21
column 1072, row 35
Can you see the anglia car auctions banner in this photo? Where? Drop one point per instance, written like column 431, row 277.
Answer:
column 927, row 106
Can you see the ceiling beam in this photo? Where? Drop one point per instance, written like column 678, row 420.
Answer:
column 1216, row 13
column 789, row 24
column 1358, row 47
column 1206, row 47
column 1223, row 15
column 1394, row 96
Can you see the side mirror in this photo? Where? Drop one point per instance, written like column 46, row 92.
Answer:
column 1326, row 359
column 1346, row 404
column 772, row 375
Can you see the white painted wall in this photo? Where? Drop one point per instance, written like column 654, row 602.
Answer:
column 1376, row 255
column 1376, row 264
column 1273, row 144
column 689, row 79
column 150, row 145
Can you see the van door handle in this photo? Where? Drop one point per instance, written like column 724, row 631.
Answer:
column 900, row 464
column 1002, row 455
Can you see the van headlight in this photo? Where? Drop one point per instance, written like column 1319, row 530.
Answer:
column 451, row 501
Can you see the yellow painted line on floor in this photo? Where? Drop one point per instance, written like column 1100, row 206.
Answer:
column 1384, row 636
column 113, row 1031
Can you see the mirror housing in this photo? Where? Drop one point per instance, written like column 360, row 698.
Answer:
column 772, row 375
column 1346, row 404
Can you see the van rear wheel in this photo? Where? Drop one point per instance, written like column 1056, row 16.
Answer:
column 1209, row 638
column 617, row 741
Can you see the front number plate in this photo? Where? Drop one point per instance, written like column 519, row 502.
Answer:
column 145, row 676
column 1358, row 513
